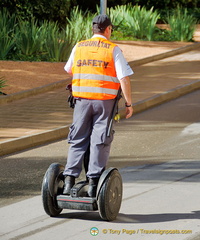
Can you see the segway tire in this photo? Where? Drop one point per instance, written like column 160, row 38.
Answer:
column 52, row 186
column 110, row 196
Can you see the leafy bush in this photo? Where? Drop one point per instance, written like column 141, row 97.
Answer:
column 2, row 84
column 141, row 21
column 34, row 40
column 50, row 10
column 57, row 10
column 47, row 41
column 7, row 34
column 117, row 15
column 162, row 35
column 58, row 43
column 182, row 25
column 134, row 21
column 80, row 24
column 30, row 38
column 167, row 4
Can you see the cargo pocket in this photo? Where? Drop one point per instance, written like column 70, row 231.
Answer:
column 108, row 140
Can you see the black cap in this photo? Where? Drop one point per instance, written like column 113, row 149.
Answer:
column 101, row 22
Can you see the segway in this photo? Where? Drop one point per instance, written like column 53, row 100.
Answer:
column 109, row 190
column 107, row 201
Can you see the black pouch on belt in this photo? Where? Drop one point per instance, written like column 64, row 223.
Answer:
column 71, row 100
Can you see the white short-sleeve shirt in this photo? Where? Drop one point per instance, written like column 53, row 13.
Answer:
column 121, row 66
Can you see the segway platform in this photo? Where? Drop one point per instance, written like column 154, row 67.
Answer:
column 85, row 203
column 78, row 199
column 107, row 201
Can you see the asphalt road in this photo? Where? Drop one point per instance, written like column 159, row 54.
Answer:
column 157, row 152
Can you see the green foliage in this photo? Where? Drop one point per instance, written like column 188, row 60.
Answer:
column 136, row 21
column 58, row 43
column 2, row 83
column 195, row 13
column 34, row 40
column 117, row 15
column 168, row 4
column 7, row 34
column 30, row 38
column 182, row 25
column 141, row 21
column 162, row 35
column 80, row 24
column 58, row 10
column 51, row 10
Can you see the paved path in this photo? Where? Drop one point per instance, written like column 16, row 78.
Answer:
column 150, row 209
column 45, row 117
column 160, row 199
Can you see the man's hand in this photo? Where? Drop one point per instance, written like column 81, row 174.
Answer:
column 129, row 112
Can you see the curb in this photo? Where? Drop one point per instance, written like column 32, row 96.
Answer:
column 26, row 142
column 34, row 140
column 165, row 55
column 63, row 83
column 33, row 92
column 166, row 96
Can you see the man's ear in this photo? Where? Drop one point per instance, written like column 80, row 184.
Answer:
column 107, row 29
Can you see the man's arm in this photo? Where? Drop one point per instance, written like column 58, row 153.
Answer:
column 68, row 65
column 123, row 71
column 126, row 89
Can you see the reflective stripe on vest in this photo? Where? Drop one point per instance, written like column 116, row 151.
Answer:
column 95, row 77
column 94, row 74
column 96, row 90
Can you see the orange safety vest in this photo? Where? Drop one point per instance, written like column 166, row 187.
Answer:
column 94, row 75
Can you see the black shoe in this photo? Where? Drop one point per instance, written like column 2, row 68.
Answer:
column 92, row 187
column 69, row 183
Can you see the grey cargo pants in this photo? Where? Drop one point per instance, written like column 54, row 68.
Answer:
column 89, row 128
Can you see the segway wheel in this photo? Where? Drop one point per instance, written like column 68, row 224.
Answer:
column 110, row 196
column 53, row 183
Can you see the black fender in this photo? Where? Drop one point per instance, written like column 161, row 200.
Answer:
column 52, row 185
column 51, row 174
column 102, row 179
column 110, row 194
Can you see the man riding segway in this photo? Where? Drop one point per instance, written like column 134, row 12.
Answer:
column 99, row 70
column 100, row 73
